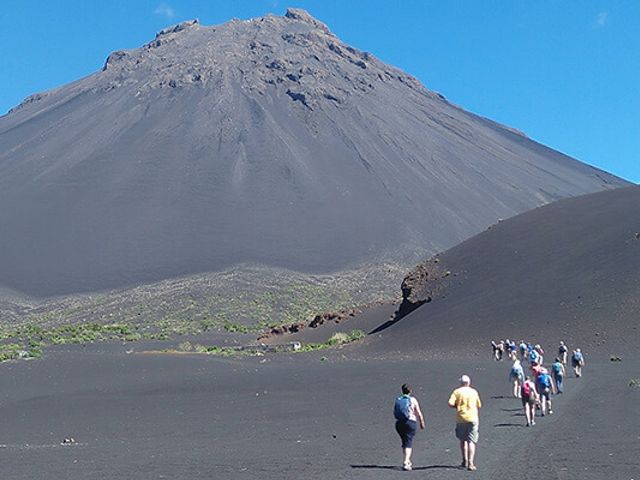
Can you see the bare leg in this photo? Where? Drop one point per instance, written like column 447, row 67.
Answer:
column 407, row 457
column 464, row 449
column 471, row 447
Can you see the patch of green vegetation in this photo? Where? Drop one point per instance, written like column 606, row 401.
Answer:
column 188, row 347
column 336, row 339
column 243, row 301
column 14, row 351
column 235, row 327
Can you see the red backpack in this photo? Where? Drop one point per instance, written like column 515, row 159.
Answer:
column 526, row 389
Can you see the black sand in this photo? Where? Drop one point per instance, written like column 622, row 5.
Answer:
column 187, row 417
column 569, row 270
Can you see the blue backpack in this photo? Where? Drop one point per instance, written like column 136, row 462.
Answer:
column 534, row 356
column 557, row 368
column 402, row 408
column 544, row 380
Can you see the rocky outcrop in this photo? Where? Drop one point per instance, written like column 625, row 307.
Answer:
column 421, row 285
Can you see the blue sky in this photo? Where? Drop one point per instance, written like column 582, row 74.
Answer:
column 565, row 73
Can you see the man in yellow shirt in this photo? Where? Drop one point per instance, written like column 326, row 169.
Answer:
column 466, row 401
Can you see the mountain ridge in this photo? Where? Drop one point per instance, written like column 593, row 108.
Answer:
column 265, row 141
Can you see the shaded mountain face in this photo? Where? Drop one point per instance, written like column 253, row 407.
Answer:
column 266, row 141
column 569, row 270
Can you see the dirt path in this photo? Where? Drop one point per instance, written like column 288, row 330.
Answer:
column 298, row 417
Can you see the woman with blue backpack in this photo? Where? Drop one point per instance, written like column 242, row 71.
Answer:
column 408, row 415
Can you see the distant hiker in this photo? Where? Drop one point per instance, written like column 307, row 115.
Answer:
column 540, row 351
column 558, row 371
column 534, row 357
column 516, row 377
column 577, row 362
column 543, row 382
column 529, row 400
column 523, row 350
column 466, row 401
column 494, row 350
column 500, row 350
column 563, row 352
column 407, row 412
column 536, row 369
column 511, row 349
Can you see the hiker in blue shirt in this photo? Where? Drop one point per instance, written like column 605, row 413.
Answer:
column 534, row 357
column 543, row 383
column 558, row 371
column 523, row 350
column 577, row 362
column 407, row 412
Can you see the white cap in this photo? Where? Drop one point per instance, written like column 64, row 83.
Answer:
column 464, row 379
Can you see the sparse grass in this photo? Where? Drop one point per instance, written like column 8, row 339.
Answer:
column 243, row 301
column 634, row 383
column 339, row 338
column 188, row 347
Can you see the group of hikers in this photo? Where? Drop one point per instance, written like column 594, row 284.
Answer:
column 534, row 389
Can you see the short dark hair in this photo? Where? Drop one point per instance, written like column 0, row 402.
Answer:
column 406, row 388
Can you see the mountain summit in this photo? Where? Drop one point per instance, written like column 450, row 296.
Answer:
column 265, row 141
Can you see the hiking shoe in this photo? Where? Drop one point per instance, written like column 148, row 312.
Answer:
column 471, row 468
column 406, row 467
column 463, row 464
column 532, row 423
column 550, row 412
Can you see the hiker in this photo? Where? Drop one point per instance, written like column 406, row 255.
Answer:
column 494, row 350
column 543, row 382
column 523, row 350
column 563, row 352
column 529, row 400
column 577, row 362
column 534, row 357
column 516, row 377
column 540, row 351
column 500, row 350
column 558, row 371
column 466, row 401
column 536, row 369
column 408, row 415
column 511, row 349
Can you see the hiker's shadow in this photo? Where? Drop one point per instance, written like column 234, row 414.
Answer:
column 395, row 467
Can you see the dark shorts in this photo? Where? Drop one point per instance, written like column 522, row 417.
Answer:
column 531, row 400
column 467, row 432
column 544, row 394
column 407, row 430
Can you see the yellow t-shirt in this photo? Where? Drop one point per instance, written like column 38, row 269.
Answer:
column 467, row 402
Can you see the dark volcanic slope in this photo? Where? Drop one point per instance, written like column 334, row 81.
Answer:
column 568, row 270
column 266, row 141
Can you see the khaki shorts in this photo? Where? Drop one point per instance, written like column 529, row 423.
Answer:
column 467, row 432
